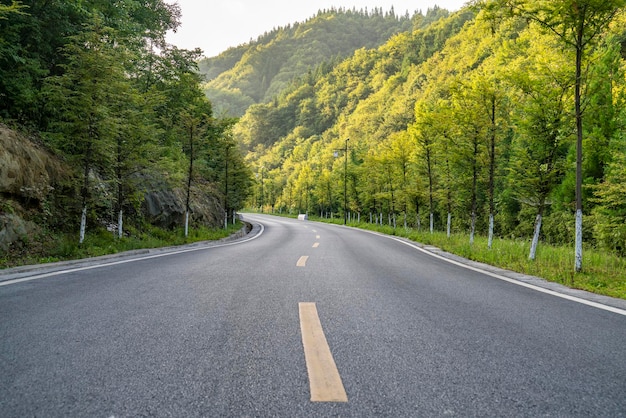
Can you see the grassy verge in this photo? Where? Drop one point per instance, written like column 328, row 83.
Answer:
column 603, row 272
column 51, row 248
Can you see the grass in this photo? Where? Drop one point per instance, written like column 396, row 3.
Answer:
column 50, row 248
column 603, row 272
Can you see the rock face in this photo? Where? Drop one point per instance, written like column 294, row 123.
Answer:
column 14, row 229
column 26, row 170
column 28, row 174
column 165, row 207
column 31, row 177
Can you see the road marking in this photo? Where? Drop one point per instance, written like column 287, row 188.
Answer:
column 324, row 379
column 317, row 237
column 576, row 299
column 317, row 244
column 302, row 261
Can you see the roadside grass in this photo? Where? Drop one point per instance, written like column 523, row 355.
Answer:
column 603, row 272
column 49, row 248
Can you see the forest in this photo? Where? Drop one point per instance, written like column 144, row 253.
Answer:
column 95, row 84
column 504, row 119
column 258, row 71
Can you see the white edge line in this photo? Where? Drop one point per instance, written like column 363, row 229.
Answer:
column 132, row 260
column 503, row 278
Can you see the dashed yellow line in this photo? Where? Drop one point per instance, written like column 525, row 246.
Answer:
column 317, row 244
column 302, row 261
column 324, row 379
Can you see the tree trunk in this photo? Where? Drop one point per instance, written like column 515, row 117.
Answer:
column 490, row 240
column 120, row 223
column 83, row 224
column 474, row 189
column 579, row 155
column 85, row 188
column 189, row 177
column 533, row 246
column 472, row 228
column 120, row 191
column 492, row 169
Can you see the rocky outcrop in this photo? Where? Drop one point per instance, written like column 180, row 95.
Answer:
column 27, row 171
column 165, row 206
column 28, row 175
column 33, row 182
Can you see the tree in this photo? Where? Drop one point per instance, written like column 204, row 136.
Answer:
column 578, row 24
column 471, row 136
column 135, row 143
column 426, row 131
column 541, row 142
column 83, row 98
column 195, row 120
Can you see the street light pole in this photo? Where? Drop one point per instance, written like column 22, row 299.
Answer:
column 345, row 180
column 345, row 184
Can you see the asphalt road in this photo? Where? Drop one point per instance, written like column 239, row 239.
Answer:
column 218, row 331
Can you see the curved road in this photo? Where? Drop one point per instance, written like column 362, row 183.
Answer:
column 303, row 319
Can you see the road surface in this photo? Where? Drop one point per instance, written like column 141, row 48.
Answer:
column 300, row 319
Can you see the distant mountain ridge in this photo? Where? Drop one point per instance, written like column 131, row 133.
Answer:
column 258, row 71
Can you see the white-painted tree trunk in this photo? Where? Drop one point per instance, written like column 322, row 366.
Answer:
column 432, row 222
column 186, row 223
column 533, row 245
column 120, row 223
column 449, row 224
column 472, row 228
column 579, row 240
column 490, row 240
column 83, row 225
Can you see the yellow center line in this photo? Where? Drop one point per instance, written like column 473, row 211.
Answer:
column 324, row 379
column 302, row 261
column 317, row 244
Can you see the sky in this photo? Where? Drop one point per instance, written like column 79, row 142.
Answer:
column 216, row 25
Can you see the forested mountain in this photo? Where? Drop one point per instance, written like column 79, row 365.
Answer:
column 259, row 71
column 467, row 124
column 123, row 112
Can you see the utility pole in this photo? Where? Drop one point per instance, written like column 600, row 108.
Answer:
column 345, row 184
column 345, row 181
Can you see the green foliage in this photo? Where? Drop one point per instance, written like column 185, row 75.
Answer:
column 471, row 113
column 258, row 71
column 114, row 101
column 59, row 247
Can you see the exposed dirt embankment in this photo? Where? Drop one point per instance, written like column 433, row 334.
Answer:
column 28, row 174
column 27, row 171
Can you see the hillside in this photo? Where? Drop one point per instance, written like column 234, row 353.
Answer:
column 125, row 137
column 258, row 71
column 464, row 125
